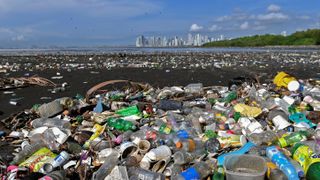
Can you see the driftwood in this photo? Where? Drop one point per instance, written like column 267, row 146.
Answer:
column 12, row 83
column 134, row 85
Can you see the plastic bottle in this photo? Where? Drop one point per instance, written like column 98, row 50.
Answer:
column 172, row 170
column 282, row 162
column 106, row 168
column 55, row 175
column 294, row 138
column 198, row 171
column 120, row 124
column 51, row 122
column 188, row 145
column 131, row 110
column 165, row 129
column 317, row 140
column 139, row 173
column 230, row 97
column 27, row 151
column 266, row 137
column 307, row 159
column 145, row 133
column 97, row 131
column 61, row 159
column 218, row 174
column 171, row 119
column 212, row 145
column 182, row 157
column 297, row 166
column 274, row 173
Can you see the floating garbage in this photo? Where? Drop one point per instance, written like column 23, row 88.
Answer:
column 247, row 130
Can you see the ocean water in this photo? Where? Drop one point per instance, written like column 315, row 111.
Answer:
column 136, row 50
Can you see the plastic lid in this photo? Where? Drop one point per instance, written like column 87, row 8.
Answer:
column 293, row 85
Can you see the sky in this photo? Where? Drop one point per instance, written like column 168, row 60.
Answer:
column 47, row 23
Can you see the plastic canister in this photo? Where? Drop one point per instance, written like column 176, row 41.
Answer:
column 283, row 79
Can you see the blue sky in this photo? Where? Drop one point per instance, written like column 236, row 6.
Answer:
column 43, row 23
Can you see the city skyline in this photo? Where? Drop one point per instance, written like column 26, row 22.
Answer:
column 43, row 23
column 195, row 39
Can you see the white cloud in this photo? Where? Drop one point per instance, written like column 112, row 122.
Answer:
column 195, row 27
column 223, row 18
column 244, row 25
column 273, row 8
column 273, row 16
column 214, row 28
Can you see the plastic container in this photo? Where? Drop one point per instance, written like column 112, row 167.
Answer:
column 50, row 109
column 244, row 167
column 283, row 79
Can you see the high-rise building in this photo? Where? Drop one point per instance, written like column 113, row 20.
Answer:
column 192, row 40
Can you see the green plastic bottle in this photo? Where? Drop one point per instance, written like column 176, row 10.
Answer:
column 294, row 138
column 120, row 124
column 310, row 162
column 132, row 110
column 230, row 97
column 218, row 174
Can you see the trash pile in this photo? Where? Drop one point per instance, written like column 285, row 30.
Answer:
column 245, row 131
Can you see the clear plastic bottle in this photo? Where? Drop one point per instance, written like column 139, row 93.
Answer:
column 106, row 168
column 51, row 122
column 172, row 120
column 188, row 145
column 297, row 166
column 317, row 140
column 27, row 151
column 135, row 173
column 266, row 137
column 182, row 157
column 55, row 175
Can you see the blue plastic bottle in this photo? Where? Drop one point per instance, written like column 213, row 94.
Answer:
column 282, row 162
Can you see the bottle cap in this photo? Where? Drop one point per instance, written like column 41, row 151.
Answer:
column 293, row 85
column 179, row 145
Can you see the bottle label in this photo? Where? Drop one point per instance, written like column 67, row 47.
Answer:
column 283, row 142
column 305, row 156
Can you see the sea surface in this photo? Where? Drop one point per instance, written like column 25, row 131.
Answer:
column 137, row 50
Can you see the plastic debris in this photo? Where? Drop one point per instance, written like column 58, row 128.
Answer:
column 244, row 131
